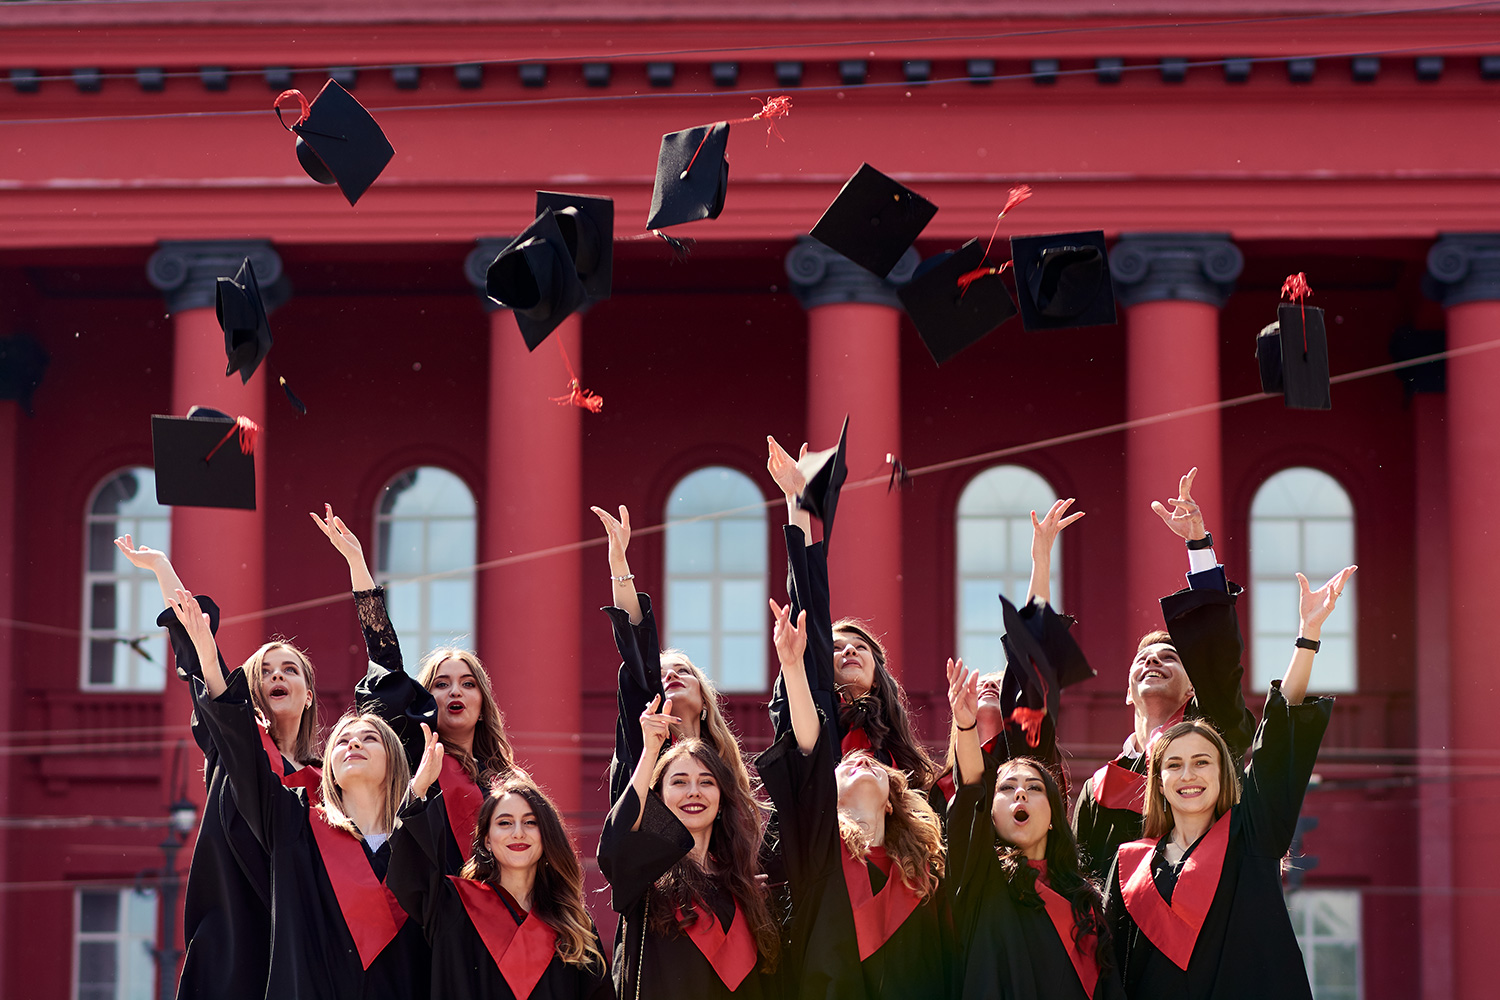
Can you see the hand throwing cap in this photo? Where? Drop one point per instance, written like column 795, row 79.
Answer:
column 692, row 176
column 874, row 220
column 1062, row 280
column 948, row 316
column 338, row 142
column 205, row 459
column 824, row 473
column 242, row 317
column 588, row 228
column 535, row 276
column 1298, row 365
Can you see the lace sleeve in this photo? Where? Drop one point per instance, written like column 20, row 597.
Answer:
column 381, row 645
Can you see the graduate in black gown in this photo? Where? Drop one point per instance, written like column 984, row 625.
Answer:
column 864, row 700
column 451, row 693
column 1029, row 922
column 1192, row 670
column 512, row 925
column 1196, row 906
column 680, row 849
column 337, row 931
column 863, row 853
column 227, row 903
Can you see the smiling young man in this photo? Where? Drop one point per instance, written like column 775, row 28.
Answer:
column 1190, row 670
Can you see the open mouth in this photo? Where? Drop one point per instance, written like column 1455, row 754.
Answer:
column 1191, row 792
column 455, row 708
column 1020, row 815
column 694, row 808
column 675, row 686
column 278, row 691
column 1153, row 672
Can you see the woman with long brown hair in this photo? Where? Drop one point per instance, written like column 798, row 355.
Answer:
column 512, row 925
column 863, row 853
column 680, row 849
column 450, row 694
column 1196, row 906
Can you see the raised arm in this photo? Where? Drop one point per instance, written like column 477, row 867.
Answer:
column 1186, row 521
column 347, row 545
column 791, row 643
column 622, row 581
column 963, row 700
column 783, row 468
column 1314, row 608
column 157, row 562
column 636, row 639
column 1044, row 534
column 655, row 727
column 195, row 622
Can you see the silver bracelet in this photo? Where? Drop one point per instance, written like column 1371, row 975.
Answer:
column 623, row 579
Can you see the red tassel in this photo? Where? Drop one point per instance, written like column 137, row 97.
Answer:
column 247, row 429
column 1296, row 288
column 772, row 109
column 1018, row 194
column 577, row 395
column 304, row 108
column 1030, row 721
column 969, row 277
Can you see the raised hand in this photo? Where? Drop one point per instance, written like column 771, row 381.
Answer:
column 618, row 531
column 963, row 693
column 142, row 558
column 1185, row 519
column 791, row 640
column 1316, row 605
column 431, row 764
column 347, row 544
column 657, row 726
column 783, row 468
column 195, row 622
column 1044, row 531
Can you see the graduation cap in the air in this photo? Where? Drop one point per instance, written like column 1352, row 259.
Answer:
column 1062, row 280
column 22, row 364
column 1293, row 357
column 242, row 317
column 535, row 276
column 824, row 473
column 338, row 142
column 692, row 176
column 588, row 228
column 951, row 313
column 874, row 220
column 1029, row 693
column 206, row 459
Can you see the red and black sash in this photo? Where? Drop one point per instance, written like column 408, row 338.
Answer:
column 1173, row 927
column 855, row 739
column 1060, row 912
column 876, row 915
column 462, row 799
column 945, row 780
column 309, row 777
column 1117, row 787
column 370, row 909
column 521, row 951
column 732, row 953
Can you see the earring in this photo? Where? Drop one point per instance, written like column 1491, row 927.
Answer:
column 703, row 715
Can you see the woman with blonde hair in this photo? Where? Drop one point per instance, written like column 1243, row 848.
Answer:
column 337, row 933
column 1196, row 906
column 863, row 853
column 451, row 694
column 513, row 924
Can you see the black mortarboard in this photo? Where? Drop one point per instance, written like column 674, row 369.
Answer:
column 949, row 317
column 692, row 176
column 535, row 277
column 1294, row 360
column 824, row 473
column 340, row 143
column 588, row 228
column 1033, row 678
column 1062, row 280
column 22, row 363
column 874, row 220
column 242, row 317
column 199, row 462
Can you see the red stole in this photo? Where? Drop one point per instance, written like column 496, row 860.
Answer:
column 1117, row 787
column 370, row 909
column 945, row 780
column 855, row 739
column 461, row 798
column 522, row 951
column 309, row 777
column 1173, row 928
column 732, row 953
column 876, row 916
column 1060, row 912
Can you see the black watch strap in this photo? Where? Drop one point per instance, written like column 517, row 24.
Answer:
column 1312, row 644
column 1206, row 542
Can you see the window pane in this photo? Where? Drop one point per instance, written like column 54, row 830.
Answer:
column 1330, row 547
column 401, row 604
column 689, row 607
column 980, row 606
column 982, row 545
column 697, row 645
column 742, row 606
column 102, row 606
column 1275, row 604
column 1333, row 965
column 690, row 547
column 452, row 605
column 103, row 556
column 98, row 912
column 742, row 546
column 1274, row 546
column 403, row 550
column 744, row 663
column 98, row 963
column 450, row 544
column 1020, row 545
column 101, row 661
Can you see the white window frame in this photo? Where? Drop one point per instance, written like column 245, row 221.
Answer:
column 137, row 594
column 1300, row 911
column 135, row 962
column 405, row 586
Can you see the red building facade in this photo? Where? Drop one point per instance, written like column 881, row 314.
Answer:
column 1218, row 153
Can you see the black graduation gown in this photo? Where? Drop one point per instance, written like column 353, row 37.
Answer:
column 1206, row 632
column 640, row 681
column 388, row 691
column 1246, row 949
column 313, row 953
column 646, row 964
column 915, row 963
column 463, row 968
column 1009, row 945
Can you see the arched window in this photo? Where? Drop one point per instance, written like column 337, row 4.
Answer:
column 425, row 525
column 123, row 650
column 716, row 576
column 994, row 556
column 1301, row 519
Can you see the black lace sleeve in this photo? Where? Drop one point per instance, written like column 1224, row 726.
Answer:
column 387, row 689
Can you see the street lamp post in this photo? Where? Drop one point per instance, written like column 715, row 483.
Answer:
column 182, row 816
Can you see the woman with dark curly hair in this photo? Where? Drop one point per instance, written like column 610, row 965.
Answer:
column 512, row 925
column 680, row 851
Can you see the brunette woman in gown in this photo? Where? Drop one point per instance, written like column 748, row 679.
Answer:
column 1196, row 906
column 679, row 849
column 863, row 853
column 337, row 931
column 512, row 925
column 227, row 904
column 451, row 693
